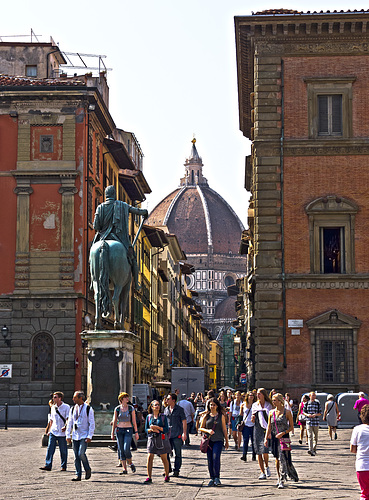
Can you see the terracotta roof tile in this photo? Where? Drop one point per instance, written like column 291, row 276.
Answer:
column 20, row 81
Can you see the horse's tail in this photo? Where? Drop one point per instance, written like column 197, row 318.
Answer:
column 105, row 300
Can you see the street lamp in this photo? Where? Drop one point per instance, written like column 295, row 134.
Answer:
column 5, row 333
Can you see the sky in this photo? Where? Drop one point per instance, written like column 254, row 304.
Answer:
column 173, row 76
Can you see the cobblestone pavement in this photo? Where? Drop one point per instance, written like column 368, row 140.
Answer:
column 329, row 475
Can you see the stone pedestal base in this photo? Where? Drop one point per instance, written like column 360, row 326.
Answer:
column 102, row 422
column 110, row 368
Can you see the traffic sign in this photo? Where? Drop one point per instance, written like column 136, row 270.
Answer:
column 6, row 371
column 243, row 375
column 243, row 381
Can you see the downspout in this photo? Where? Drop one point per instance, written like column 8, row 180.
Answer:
column 87, row 204
column 282, row 221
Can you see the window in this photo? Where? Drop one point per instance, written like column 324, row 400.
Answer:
column 332, row 235
column 42, row 357
column 332, row 249
column 334, row 356
column 31, row 70
column 329, row 106
column 330, row 115
column 334, row 348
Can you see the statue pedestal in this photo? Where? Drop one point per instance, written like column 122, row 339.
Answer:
column 110, row 371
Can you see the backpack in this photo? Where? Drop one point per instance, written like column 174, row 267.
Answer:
column 130, row 409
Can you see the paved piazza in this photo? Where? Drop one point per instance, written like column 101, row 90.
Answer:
column 329, row 475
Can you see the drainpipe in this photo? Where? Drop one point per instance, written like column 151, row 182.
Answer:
column 282, row 221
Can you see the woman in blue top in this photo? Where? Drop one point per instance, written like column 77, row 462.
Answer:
column 157, row 430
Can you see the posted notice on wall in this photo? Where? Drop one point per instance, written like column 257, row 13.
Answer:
column 6, row 371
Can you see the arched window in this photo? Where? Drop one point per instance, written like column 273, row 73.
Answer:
column 42, row 357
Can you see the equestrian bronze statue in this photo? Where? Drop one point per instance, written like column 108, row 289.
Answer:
column 112, row 257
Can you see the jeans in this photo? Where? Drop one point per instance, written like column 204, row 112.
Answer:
column 189, row 429
column 214, row 452
column 312, row 432
column 79, row 448
column 62, row 440
column 248, row 433
column 124, row 439
column 176, row 444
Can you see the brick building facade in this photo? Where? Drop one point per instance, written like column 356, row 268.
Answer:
column 303, row 81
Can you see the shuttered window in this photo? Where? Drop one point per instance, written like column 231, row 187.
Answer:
column 330, row 114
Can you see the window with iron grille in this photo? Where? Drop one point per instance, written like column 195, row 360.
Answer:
column 42, row 357
column 330, row 114
column 334, row 356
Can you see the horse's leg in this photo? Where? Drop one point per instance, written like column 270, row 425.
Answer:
column 124, row 300
column 97, row 306
column 116, row 300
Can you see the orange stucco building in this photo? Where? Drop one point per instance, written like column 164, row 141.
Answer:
column 59, row 149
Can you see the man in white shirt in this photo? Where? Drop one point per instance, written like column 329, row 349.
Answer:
column 189, row 413
column 81, row 425
column 58, row 420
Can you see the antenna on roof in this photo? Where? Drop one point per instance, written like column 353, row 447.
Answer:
column 34, row 34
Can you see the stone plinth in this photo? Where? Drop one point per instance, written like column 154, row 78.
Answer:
column 110, row 371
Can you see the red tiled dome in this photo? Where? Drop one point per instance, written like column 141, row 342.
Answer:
column 197, row 215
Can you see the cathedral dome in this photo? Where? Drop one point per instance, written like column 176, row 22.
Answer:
column 201, row 219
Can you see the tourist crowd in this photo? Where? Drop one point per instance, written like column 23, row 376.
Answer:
column 257, row 419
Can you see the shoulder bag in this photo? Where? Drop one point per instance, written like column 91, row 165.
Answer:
column 205, row 439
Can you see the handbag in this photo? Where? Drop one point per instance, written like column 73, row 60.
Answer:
column 241, row 424
column 205, row 439
column 284, row 441
column 44, row 440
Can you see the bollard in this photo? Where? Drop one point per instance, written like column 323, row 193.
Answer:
column 6, row 416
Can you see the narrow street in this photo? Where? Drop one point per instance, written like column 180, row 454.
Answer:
column 329, row 475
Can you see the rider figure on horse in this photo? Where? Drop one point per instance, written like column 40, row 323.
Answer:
column 111, row 223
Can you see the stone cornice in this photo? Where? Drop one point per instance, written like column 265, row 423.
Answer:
column 315, row 281
column 335, row 147
column 312, row 45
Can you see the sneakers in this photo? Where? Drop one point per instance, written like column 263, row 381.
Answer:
column 166, row 479
column 211, row 482
column 217, row 482
column 280, row 485
column 268, row 474
column 123, row 472
column 262, row 476
column 148, row 480
column 133, row 468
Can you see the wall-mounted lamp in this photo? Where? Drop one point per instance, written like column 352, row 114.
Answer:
column 5, row 333
column 91, row 107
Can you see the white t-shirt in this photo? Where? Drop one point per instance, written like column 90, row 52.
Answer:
column 247, row 416
column 360, row 438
